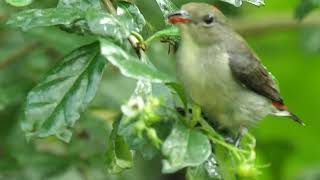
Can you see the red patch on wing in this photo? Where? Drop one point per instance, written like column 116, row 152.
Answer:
column 178, row 19
column 280, row 106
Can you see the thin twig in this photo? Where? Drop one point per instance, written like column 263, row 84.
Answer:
column 134, row 41
column 217, row 139
column 18, row 55
column 256, row 26
column 109, row 6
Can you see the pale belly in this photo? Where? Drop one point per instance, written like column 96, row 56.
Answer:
column 211, row 85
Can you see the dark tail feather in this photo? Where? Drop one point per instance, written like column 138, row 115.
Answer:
column 296, row 119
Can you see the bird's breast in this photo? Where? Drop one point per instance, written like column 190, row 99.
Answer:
column 206, row 74
column 208, row 80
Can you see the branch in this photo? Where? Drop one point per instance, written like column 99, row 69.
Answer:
column 109, row 6
column 255, row 26
column 18, row 55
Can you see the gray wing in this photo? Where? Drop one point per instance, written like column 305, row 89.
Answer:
column 248, row 70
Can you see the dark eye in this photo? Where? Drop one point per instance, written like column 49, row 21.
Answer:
column 208, row 19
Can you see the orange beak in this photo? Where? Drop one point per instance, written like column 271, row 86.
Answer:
column 179, row 17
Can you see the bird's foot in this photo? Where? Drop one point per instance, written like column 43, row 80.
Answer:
column 236, row 140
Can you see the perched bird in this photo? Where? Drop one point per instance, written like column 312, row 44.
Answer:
column 221, row 73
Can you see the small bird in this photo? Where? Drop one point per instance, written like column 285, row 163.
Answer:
column 221, row 73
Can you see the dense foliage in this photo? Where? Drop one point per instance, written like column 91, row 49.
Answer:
column 114, row 36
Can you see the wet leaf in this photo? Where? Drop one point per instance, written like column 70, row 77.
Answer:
column 106, row 25
column 19, row 3
column 44, row 17
column 130, row 66
column 146, row 125
column 184, row 147
column 118, row 155
column 83, row 19
column 136, row 133
column 118, row 26
column 206, row 171
column 130, row 16
column 130, row 131
column 166, row 7
column 80, row 4
column 55, row 104
column 256, row 2
column 238, row 3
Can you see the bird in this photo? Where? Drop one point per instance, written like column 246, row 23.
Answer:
column 221, row 73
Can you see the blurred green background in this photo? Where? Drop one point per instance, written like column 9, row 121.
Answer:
column 289, row 49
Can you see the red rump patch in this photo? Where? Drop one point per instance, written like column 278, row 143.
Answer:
column 178, row 19
column 280, row 106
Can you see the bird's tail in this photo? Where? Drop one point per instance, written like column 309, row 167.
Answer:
column 292, row 116
column 283, row 110
column 296, row 119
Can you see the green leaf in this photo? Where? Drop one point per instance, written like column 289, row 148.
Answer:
column 305, row 7
column 44, row 17
column 129, row 131
column 82, row 17
column 117, row 27
column 166, row 6
column 135, row 133
column 19, row 3
column 130, row 66
column 184, row 147
column 130, row 16
column 141, row 125
column 80, row 4
column 106, row 25
column 206, row 171
column 81, row 25
column 169, row 33
column 178, row 89
column 118, row 155
column 55, row 104
column 238, row 3
column 226, row 163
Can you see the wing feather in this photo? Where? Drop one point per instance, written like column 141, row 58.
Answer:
column 248, row 70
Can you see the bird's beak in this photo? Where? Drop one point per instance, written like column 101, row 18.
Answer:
column 181, row 16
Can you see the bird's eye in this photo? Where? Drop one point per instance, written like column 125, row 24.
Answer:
column 208, row 19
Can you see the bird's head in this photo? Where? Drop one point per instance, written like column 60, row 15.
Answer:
column 200, row 21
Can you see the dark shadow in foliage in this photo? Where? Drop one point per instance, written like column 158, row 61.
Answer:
column 277, row 153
